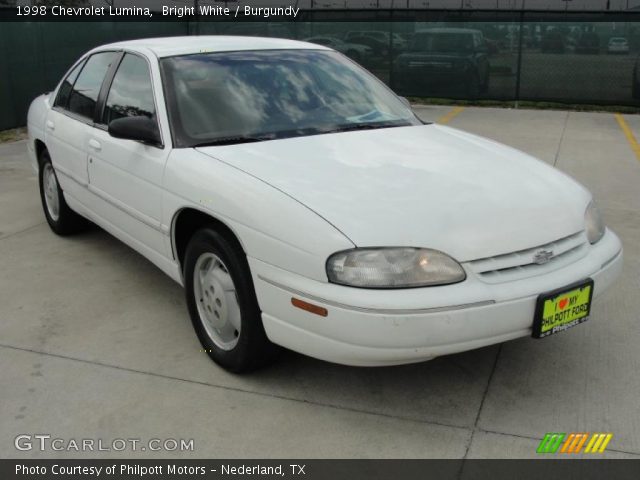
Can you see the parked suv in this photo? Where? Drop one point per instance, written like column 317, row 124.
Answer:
column 452, row 59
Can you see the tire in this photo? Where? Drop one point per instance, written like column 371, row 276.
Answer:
column 484, row 88
column 62, row 220
column 472, row 87
column 222, row 303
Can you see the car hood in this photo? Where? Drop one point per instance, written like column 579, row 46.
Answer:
column 423, row 186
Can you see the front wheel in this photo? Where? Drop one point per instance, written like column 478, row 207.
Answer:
column 223, row 305
column 485, row 84
column 472, row 86
column 60, row 217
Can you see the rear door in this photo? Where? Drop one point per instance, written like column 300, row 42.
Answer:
column 69, row 122
column 127, row 174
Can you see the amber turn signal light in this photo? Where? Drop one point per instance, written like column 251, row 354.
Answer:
column 309, row 307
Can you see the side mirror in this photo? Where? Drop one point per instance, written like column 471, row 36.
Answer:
column 142, row 129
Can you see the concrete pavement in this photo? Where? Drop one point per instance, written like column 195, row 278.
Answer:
column 95, row 342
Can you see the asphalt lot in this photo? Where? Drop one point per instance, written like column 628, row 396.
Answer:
column 95, row 342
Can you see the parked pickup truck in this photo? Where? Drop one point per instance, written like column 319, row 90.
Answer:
column 451, row 59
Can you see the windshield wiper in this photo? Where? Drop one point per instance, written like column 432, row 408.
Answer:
column 232, row 141
column 364, row 126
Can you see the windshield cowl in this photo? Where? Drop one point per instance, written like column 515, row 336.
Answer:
column 282, row 135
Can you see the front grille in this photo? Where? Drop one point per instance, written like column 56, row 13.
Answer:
column 520, row 264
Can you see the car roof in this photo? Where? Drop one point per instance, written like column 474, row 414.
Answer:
column 170, row 46
column 448, row 30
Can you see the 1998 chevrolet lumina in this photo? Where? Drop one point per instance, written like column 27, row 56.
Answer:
column 302, row 204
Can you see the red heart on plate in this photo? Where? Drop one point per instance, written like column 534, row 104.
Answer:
column 563, row 303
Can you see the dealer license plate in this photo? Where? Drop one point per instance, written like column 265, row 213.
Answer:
column 561, row 309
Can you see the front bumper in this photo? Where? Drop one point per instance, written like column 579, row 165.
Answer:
column 389, row 327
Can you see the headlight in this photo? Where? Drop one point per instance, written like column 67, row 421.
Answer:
column 393, row 268
column 593, row 223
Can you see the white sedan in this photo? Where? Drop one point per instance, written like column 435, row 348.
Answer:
column 618, row 45
column 302, row 204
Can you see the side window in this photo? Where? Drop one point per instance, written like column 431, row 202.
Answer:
column 131, row 93
column 62, row 100
column 84, row 95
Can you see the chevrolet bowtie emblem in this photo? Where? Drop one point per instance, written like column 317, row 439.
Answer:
column 542, row 256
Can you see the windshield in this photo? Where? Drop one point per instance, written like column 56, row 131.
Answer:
column 443, row 42
column 234, row 97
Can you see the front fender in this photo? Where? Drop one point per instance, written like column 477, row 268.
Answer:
column 271, row 226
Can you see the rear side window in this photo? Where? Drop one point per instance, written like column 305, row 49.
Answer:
column 84, row 95
column 62, row 100
column 131, row 93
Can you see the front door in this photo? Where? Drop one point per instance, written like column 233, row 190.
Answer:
column 126, row 174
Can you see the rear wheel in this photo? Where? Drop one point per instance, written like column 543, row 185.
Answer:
column 472, row 86
column 60, row 217
column 223, row 305
column 485, row 84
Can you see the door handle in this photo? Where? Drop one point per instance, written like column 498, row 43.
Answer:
column 50, row 125
column 95, row 145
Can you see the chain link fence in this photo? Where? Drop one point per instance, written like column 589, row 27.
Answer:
column 511, row 56
column 35, row 55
